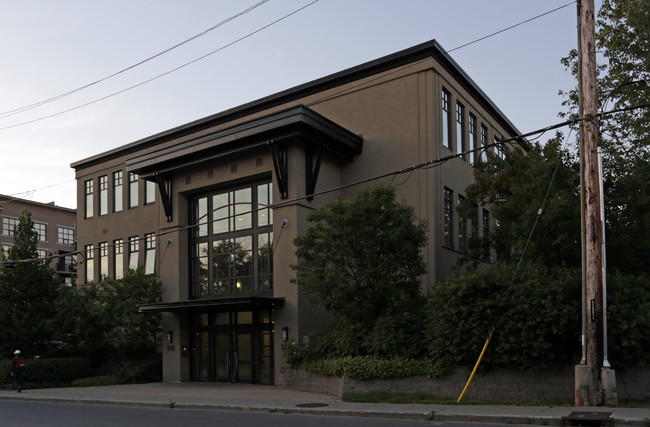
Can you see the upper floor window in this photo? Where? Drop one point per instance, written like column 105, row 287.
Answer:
column 462, row 229
column 103, row 195
column 9, row 225
column 42, row 253
column 66, row 235
column 446, row 119
column 484, row 141
column 149, row 192
column 41, row 230
column 134, row 250
column 448, row 215
column 118, row 261
column 472, row 139
column 499, row 149
column 460, row 129
column 89, row 190
column 90, row 263
column 150, row 254
column 103, row 260
column 234, row 254
column 118, row 191
column 133, row 190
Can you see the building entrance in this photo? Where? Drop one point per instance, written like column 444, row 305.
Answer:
column 233, row 346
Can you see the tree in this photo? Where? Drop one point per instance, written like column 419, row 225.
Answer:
column 28, row 288
column 623, row 37
column 517, row 188
column 360, row 260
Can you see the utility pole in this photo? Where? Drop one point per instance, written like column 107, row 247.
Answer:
column 594, row 384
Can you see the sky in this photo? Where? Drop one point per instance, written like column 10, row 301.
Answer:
column 244, row 50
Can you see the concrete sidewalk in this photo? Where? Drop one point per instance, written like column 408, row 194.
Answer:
column 274, row 399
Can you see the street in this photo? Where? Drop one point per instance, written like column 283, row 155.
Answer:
column 46, row 414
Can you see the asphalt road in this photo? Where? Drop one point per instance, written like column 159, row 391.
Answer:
column 46, row 414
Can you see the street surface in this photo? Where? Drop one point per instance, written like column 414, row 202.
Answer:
column 46, row 414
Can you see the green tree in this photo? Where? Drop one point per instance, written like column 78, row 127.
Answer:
column 360, row 260
column 28, row 288
column 516, row 188
column 623, row 39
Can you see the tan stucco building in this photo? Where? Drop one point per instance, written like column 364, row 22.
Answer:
column 213, row 206
column 55, row 226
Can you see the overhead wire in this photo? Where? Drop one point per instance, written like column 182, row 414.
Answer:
column 124, row 70
column 517, row 139
column 251, row 34
column 162, row 74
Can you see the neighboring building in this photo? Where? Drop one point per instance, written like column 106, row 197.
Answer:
column 55, row 226
column 213, row 206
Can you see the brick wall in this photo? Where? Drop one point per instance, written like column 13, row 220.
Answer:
column 499, row 384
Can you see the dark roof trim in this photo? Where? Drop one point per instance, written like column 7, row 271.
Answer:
column 203, row 304
column 297, row 121
column 416, row 53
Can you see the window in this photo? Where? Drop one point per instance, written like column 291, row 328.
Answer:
column 446, row 119
column 462, row 229
column 103, row 195
column 149, row 192
column 499, row 148
column 134, row 249
column 234, row 255
column 448, row 216
column 90, row 263
column 42, row 253
column 103, row 260
column 484, row 139
column 472, row 139
column 118, row 260
column 66, row 235
column 133, row 190
column 474, row 228
column 460, row 129
column 89, row 191
column 150, row 254
column 486, row 232
column 118, row 191
column 5, row 250
column 41, row 229
column 9, row 225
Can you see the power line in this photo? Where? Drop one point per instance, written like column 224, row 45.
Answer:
column 251, row 34
column 517, row 139
column 86, row 86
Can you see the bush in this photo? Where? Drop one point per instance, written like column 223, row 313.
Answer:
column 366, row 368
column 56, row 372
column 537, row 317
column 97, row 381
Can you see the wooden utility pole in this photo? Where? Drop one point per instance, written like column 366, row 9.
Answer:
column 597, row 387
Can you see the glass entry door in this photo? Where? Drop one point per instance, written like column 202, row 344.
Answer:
column 234, row 357
column 233, row 346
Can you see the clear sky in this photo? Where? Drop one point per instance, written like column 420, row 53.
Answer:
column 51, row 47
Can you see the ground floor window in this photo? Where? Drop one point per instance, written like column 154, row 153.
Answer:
column 233, row 346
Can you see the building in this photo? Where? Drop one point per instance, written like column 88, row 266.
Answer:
column 55, row 226
column 213, row 206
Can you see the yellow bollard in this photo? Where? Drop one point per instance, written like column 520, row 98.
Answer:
column 476, row 366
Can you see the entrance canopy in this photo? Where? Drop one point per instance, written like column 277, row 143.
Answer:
column 208, row 304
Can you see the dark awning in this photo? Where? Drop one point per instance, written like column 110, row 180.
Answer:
column 211, row 304
column 298, row 123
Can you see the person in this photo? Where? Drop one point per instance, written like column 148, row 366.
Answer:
column 17, row 369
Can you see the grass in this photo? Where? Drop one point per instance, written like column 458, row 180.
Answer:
column 426, row 398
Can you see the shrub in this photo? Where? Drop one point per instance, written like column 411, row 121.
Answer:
column 54, row 372
column 537, row 317
column 97, row 381
column 366, row 367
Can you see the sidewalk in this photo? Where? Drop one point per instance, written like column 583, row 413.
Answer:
column 274, row 399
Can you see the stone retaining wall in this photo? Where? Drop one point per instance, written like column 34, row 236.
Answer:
column 499, row 384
